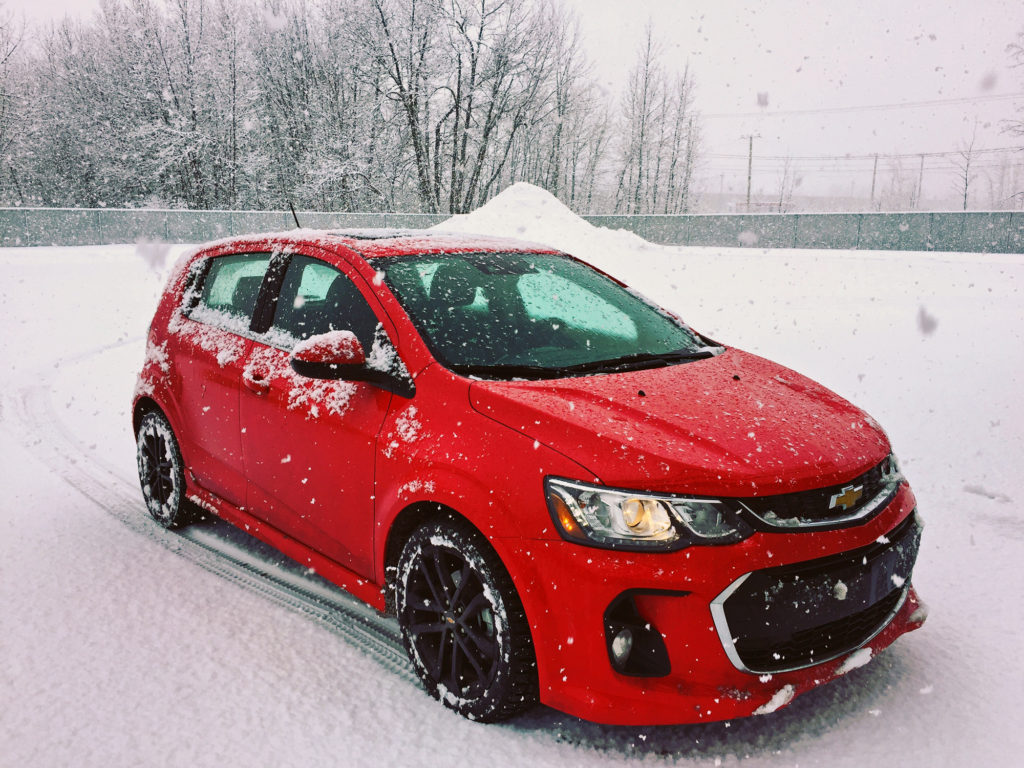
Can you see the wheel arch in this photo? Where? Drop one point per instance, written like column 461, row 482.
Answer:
column 411, row 517
column 144, row 405
column 405, row 522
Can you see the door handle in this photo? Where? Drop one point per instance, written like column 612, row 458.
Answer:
column 255, row 383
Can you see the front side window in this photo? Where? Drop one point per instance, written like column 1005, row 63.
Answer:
column 316, row 298
column 230, row 289
column 507, row 315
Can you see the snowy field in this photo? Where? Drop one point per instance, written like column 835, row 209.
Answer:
column 123, row 645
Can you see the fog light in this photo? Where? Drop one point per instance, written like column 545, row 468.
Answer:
column 635, row 646
column 622, row 645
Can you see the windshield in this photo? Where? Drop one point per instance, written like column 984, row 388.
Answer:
column 505, row 315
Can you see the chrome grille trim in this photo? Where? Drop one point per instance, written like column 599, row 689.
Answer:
column 864, row 511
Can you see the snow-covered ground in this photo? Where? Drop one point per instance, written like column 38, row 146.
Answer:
column 121, row 644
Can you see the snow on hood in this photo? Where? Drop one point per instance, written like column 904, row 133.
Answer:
column 734, row 424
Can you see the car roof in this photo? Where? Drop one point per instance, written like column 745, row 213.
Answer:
column 382, row 243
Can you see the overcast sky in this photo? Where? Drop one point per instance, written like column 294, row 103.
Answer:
column 806, row 55
column 827, row 55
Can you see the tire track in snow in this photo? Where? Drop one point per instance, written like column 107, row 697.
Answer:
column 53, row 443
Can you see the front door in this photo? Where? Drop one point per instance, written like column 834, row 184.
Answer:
column 309, row 444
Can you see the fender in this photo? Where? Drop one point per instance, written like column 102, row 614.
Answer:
column 437, row 449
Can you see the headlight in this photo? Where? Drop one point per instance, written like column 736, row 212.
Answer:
column 622, row 519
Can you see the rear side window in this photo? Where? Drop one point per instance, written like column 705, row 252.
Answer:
column 230, row 289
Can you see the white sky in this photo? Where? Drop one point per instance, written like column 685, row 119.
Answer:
column 805, row 55
column 824, row 54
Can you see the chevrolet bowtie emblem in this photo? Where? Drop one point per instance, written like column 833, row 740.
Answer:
column 846, row 498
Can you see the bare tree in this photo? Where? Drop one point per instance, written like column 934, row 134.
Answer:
column 1015, row 126
column 642, row 92
column 1015, row 50
column 471, row 77
column 565, row 142
column 963, row 162
column 786, row 185
column 898, row 194
column 660, row 137
column 684, row 144
column 11, row 35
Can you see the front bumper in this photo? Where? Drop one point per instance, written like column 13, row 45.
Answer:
column 567, row 589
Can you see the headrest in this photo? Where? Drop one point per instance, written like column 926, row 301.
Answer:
column 341, row 293
column 453, row 285
column 246, row 289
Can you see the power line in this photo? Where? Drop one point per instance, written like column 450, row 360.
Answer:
column 897, row 156
column 860, row 165
column 867, row 107
column 846, row 172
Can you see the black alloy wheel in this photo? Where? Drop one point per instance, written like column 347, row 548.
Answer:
column 161, row 472
column 463, row 623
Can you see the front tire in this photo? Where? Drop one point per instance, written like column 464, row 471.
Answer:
column 463, row 624
column 161, row 471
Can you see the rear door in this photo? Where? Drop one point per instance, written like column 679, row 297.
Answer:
column 309, row 445
column 207, row 347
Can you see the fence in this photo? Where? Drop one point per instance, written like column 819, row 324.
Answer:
column 973, row 231
column 984, row 231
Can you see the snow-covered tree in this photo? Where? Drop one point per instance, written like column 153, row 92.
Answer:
column 658, row 138
column 433, row 105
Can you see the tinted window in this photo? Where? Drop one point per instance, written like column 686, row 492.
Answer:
column 316, row 298
column 541, row 311
column 231, row 287
column 547, row 296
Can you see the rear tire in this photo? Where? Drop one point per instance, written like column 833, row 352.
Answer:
column 463, row 624
column 161, row 471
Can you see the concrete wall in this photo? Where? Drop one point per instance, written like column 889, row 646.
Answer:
column 978, row 231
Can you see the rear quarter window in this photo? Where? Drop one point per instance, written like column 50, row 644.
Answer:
column 226, row 295
column 233, row 283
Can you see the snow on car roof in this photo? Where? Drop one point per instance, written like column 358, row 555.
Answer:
column 437, row 241
column 394, row 241
column 373, row 243
column 384, row 243
column 379, row 233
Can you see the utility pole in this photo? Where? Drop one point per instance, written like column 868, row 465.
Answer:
column 920, row 177
column 750, row 161
column 874, row 173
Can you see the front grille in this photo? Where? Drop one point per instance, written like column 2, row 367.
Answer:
column 804, row 648
column 795, row 616
column 812, row 508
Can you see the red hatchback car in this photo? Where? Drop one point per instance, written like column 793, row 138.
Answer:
column 563, row 492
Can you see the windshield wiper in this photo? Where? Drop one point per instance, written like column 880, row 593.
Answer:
column 634, row 361
column 639, row 360
column 508, row 371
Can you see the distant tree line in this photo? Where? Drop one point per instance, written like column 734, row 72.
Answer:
column 428, row 105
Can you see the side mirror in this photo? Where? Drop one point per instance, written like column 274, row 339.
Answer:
column 328, row 355
column 338, row 355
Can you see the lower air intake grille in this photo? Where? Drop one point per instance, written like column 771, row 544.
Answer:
column 796, row 616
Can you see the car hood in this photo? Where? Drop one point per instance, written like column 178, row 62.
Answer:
column 733, row 424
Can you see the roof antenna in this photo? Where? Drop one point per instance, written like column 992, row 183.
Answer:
column 294, row 216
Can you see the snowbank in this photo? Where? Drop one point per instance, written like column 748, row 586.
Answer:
column 530, row 213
